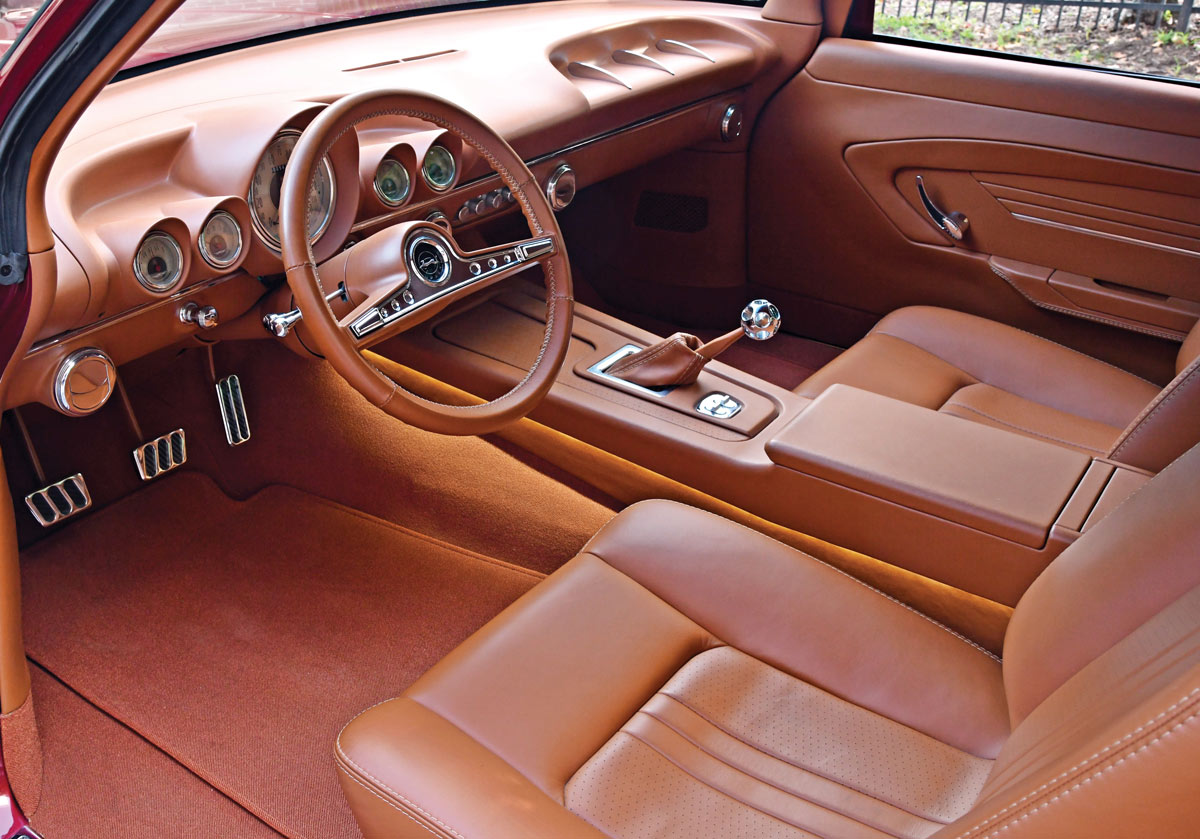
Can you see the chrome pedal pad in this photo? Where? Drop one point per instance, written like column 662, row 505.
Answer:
column 59, row 501
column 233, row 410
column 161, row 455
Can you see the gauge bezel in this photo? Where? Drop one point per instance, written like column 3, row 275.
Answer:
column 379, row 192
column 144, row 281
column 237, row 252
column 267, row 237
column 453, row 168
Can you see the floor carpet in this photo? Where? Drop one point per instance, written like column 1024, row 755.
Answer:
column 239, row 636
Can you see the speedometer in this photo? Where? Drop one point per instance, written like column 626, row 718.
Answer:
column 268, row 182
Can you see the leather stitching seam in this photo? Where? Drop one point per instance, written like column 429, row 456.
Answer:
column 1109, row 768
column 345, row 758
column 395, row 806
column 1170, row 709
column 1166, row 395
column 721, row 792
column 953, row 404
column 782, row 759
column 1145, row 330
column 588, row 549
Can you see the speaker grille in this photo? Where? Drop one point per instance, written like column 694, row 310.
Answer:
column 672, row 211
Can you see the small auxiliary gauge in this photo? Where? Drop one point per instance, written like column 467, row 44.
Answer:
column 158, row 264
column 392, row 182
column 439, row 168
column 221, row 240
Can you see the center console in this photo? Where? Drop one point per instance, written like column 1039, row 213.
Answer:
column 970, row 505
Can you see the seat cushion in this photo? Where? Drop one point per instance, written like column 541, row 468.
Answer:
column 719, row 684
column 991, row 373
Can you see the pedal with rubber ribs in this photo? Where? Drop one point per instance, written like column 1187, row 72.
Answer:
column 59, row 501
column 161, row 455
column 233, row 410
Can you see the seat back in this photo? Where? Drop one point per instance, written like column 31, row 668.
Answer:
column 1170, row 424
column 1102, row 674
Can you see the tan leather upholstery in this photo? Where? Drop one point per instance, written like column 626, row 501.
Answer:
column 675, row 360
column 994, row 374
column 1170, row 424
column 686, row 677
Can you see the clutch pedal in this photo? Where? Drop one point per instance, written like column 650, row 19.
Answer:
column 233, row 410
column 59, row 501
column 161, row 455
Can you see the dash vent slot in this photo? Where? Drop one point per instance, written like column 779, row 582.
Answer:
column 588, row 70
column 683, row 48
column 640, row 59
column 59, row 501
column 161, row 455
column 393, row 61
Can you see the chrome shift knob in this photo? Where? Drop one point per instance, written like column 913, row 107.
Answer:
column 761, row 319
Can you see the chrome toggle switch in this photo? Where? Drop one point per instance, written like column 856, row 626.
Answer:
column 719, row 406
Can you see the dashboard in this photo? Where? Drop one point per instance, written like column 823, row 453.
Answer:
column 164, row 200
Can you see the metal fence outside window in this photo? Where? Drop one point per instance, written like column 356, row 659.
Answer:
column 1059, row 14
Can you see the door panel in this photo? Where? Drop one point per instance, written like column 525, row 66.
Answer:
column 1082, row 189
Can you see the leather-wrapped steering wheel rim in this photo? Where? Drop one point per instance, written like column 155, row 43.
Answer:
column 333, row 339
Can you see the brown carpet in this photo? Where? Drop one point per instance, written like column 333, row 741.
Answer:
column 240, row 636
column 104, row 781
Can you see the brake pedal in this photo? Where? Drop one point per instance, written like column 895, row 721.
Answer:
column 161, row 455
column 59, row 501
column 233, row 410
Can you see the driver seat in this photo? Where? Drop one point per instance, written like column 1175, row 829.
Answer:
column 686, row 677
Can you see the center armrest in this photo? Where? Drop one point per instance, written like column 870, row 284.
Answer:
column 998, row 482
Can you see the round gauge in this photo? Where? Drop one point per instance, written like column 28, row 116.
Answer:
column 438, row 168
column 158, row 264
column 221, row 240
column 392, row 182
column 267, row 183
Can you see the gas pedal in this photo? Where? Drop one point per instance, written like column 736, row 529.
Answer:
column 59, row 501
column 161, row 455
column 233, row 410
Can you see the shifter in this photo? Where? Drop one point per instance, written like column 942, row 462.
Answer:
column 678, row 360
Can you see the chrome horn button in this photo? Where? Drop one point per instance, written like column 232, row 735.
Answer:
column 428, row 259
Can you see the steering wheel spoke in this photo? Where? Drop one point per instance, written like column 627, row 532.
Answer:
column 437, row 271
column 407, row 273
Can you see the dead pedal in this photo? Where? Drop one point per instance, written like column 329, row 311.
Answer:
column 233, row 410
column 59, row 501
column 161, row 455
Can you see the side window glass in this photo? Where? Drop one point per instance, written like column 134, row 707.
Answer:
column 1155, row 37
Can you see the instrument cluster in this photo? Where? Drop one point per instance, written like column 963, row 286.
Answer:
column 366, row 178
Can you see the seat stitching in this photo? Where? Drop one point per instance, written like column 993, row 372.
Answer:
column 1166, row 395
column 953, row 404
column 722, row 792
column 1080, row 784
column 846, row 574
column 1091, row 758
column 350, row 762
column 783, row 759
column 403, row 811
column 1145, row 330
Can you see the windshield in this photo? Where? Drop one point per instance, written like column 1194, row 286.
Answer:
column 204, row 24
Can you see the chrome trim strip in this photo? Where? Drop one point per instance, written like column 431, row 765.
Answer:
column 600, row 369
column 55, row 340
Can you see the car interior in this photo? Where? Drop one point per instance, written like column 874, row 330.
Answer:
column 596, row 418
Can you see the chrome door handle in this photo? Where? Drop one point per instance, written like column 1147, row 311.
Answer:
column 952, row 224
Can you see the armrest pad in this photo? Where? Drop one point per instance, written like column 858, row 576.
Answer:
column 986, row 478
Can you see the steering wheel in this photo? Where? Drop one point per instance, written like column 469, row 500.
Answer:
column 403, row 272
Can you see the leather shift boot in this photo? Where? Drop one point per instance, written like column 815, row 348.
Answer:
column 673, row 361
